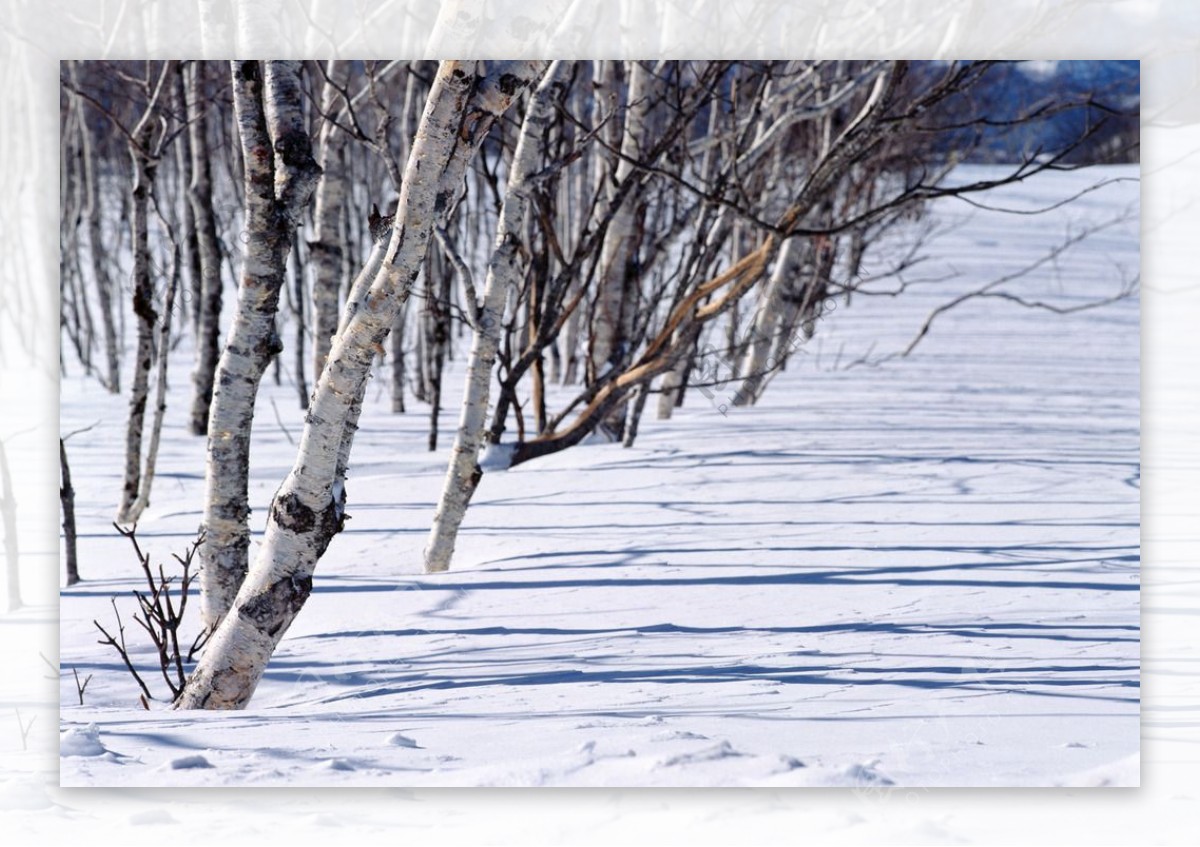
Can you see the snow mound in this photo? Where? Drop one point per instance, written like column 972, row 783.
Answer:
column 400, row 740
column 496, row 457
column 81, row 741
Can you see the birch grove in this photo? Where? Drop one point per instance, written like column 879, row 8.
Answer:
column 572, row 243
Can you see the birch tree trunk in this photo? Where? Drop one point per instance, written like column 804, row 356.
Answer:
column 160, row 392
column 327, row 249
column 398, row 376
column 66, row 498
column 296, row 301
column 758, row 361
column 193, row 278
column 308, row 509
column 208, row 304
column 280, row 175
column 503, row 276
column 143, row 151
column 612, row 309
column 437, row 317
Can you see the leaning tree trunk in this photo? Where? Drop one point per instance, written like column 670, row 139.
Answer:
column 503, row 277
column 280, row 175
column 307, row 510
column 208, row 305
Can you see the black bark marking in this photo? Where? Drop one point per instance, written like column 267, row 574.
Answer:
column 272, row 609
column 290, row 514
column 509, row 83
column 442, row 202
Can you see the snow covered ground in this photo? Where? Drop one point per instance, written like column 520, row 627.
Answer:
column 921, row 573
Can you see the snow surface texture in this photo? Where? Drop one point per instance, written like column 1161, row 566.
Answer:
column 918, row 574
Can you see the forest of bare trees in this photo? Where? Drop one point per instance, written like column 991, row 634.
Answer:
column 583, row 240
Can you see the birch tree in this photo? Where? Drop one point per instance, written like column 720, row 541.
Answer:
column 326, row 247
column 503, row 273
column 207, row 305
column 280, row 175
column 308, row 509
column 145, row 143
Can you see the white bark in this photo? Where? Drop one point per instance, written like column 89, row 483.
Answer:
column 330, row 198
column 280, row 175
column 144, row 142
column 308, row 508
column 160, row 394
column 613, row 311
column 503, row 277
column 143, row 309
column 758, row 360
